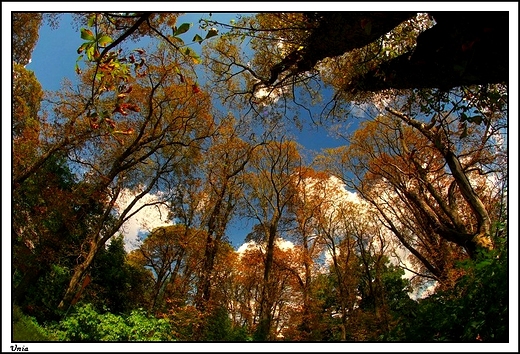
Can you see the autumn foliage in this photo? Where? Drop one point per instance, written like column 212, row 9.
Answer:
column 389, row 236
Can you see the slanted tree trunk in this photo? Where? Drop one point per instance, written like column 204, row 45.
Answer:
column 482, row 237
column 338, row 32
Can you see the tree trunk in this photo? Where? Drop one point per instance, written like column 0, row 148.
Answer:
column 77, row 277
column 266, row 300
column 482, row 237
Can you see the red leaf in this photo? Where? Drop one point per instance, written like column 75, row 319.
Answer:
column 134, row 107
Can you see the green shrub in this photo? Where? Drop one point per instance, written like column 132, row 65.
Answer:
column 476, row 309
column 26, row 328
column 85, row 324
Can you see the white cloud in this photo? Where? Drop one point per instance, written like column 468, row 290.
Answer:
column 279, row 242
column 148, row 218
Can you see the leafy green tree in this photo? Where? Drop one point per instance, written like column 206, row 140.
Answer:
column 49, row 227
column 476, row 309
column 116, row 286
column 218, row 327
column 384, row 296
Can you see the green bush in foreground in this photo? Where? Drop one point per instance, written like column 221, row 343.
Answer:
column 85, row 324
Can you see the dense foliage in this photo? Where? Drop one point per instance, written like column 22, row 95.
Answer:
column 400, row 234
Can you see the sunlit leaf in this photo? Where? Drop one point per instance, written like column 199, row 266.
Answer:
column 177, row 39
column 104, row 40
column 191, row 53
column 90, row 53
column 87, row 34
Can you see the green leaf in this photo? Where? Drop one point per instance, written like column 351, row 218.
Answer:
column 87, row 34
column 483, row 264
column 103, row 40
column 197, row 39
column 191, row 53
column 90, row 53
column 212, row 33
column 182, row 29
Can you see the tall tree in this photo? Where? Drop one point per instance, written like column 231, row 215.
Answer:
column 225, row 161
column 114, row 284
column 314, row 196
column 164, row 133
column 269, row 193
